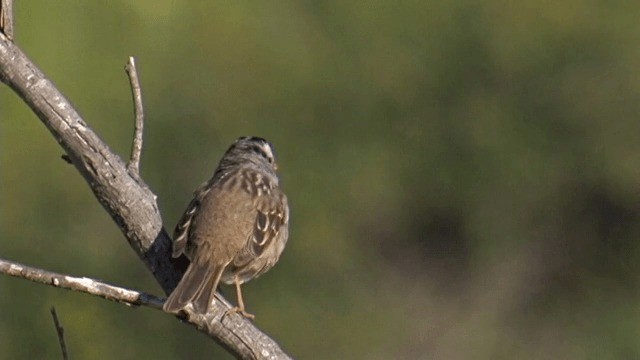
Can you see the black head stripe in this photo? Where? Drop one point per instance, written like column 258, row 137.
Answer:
column 257, row 139
column 260, row 151
column 254, row 144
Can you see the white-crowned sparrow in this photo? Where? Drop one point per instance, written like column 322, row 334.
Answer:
column 234, row 229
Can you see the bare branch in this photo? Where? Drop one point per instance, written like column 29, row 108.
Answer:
column 136, row 148
column 128, row 200
column 6, row 18
column 82, row 284
column 60, row 332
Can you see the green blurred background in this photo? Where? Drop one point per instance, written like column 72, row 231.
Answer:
column 464, row 176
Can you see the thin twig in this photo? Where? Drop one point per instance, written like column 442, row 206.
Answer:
column 82, row 284
column 136, row 148
column 60, row 331
column 6, row 18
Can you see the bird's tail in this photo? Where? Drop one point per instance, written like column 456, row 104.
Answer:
column 197, row 286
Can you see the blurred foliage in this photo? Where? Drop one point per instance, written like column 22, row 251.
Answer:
column 463, row 175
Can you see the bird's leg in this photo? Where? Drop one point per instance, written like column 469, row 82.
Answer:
column 240, row 307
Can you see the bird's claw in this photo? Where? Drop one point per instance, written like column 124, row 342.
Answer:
column 240, row 311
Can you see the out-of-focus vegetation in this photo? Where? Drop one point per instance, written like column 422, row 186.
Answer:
column 464, row 176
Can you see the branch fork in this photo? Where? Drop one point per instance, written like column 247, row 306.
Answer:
column 124, row 195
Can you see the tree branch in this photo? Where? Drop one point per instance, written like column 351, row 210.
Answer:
column 128, row 200
column 60, row 332
column 82, row 284
column 136, row 148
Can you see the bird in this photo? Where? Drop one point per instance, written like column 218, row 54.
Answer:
column 234, row 229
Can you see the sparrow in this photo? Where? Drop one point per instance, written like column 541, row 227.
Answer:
column 234, row 229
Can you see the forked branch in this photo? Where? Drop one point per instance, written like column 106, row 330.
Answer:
column 126, row 198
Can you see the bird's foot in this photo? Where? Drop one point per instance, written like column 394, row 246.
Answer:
column 241, row 311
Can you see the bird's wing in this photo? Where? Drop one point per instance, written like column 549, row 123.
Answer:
column 271, row 218
column 181, row 233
